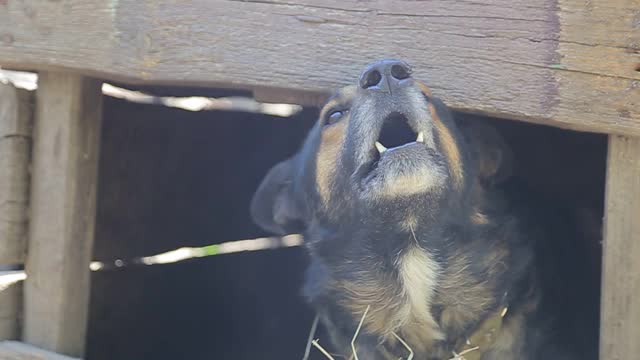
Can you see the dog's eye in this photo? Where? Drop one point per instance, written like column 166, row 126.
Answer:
column 335, row 116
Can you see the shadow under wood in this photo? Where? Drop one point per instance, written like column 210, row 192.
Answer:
column 239, row 306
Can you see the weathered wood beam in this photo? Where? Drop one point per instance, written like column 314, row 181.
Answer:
column 15, row 145
column 620, row 315
column 13, row 350
column 10, row 304
column 568, row 63
column 63, row 195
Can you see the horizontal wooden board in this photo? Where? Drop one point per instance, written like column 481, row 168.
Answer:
column 13, row 350
column 568, row 63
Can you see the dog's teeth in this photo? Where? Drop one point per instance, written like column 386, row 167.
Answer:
column 420, row 138
column 380, row 147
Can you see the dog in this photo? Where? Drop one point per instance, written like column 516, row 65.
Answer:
column 416, row 246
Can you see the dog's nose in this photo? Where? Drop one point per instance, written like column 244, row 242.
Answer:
column 385, row 75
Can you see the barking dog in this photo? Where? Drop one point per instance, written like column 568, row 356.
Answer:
column 405, row 219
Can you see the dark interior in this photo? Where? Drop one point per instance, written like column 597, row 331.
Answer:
column 172, row 178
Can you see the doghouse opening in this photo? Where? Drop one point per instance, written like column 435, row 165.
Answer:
column 172, row 178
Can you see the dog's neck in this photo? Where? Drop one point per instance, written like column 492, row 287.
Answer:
column 428, row 296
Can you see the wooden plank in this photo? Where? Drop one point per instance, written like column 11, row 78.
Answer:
column 63, row 192
column 620, row 315
column 568, row 63
column 15, row 144
column 13, row 350
column 10, row 304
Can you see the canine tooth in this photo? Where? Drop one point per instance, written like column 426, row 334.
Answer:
column 420, row 137
column 380, row 147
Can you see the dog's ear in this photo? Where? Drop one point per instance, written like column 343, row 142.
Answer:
column 494, row 155
column 273, row 207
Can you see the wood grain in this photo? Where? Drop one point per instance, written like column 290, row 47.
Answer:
column 63, row 193
column 568, row 63
column 10, row 304
column 15, row 145
column 620, row 315
column 13, row 350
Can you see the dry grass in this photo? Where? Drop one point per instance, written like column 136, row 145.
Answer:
column 461, row 355
column 405, row 345
column 354, row 353
column 355, row 336
column 322, row 350
column 310, row 340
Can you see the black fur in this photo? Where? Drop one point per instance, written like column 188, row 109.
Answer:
column 488, row 244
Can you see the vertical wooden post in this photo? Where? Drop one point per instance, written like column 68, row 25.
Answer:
column 620, row 313
column 63, row 195
column 10, row 304
column 15, row 143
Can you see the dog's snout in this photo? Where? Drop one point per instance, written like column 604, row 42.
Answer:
column 385, row 75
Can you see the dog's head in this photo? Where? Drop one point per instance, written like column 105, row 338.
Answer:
column 384, row 154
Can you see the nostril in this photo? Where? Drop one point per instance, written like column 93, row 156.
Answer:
column 371, row 79
column 400, row 72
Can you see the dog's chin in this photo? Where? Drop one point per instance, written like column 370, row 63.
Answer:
column 408, row 170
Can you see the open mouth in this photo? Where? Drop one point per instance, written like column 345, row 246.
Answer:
column 396, row 131
column 395, row 134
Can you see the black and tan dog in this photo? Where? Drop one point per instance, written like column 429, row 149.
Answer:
column 405, row 220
